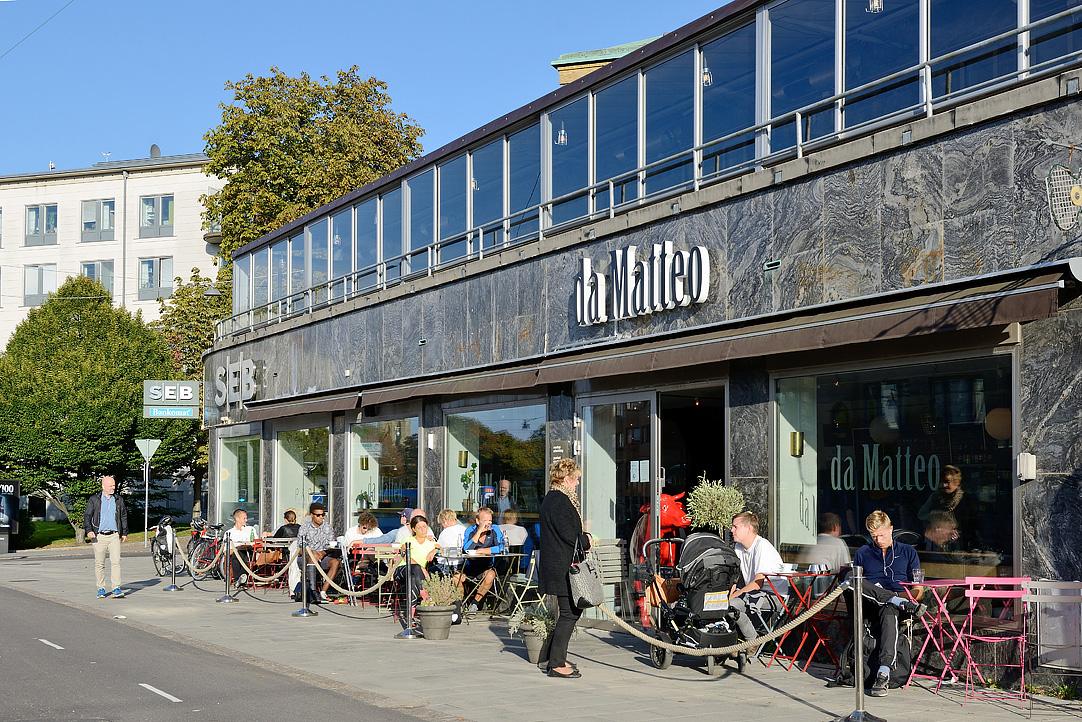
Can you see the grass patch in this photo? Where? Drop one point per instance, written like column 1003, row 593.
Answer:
column 58, row 534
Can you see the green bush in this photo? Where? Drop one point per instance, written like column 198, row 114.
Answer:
column 442, row 591
column 712, row 505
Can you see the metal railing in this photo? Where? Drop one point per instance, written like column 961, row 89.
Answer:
column 428, row 259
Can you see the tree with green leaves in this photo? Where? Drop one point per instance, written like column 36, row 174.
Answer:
column 71, row 388
column 287, row 145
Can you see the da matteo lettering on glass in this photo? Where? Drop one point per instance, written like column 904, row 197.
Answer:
column 662, row 281
column 902, row 471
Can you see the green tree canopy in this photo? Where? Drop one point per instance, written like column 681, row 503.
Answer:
column 288, row 145
column 71, row 388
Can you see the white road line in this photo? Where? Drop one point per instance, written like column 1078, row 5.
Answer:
column 50, row 644
column 157, row 691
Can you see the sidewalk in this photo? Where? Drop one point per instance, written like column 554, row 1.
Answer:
column 479, row 674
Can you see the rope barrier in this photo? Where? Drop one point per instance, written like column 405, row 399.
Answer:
column 200, row 570
column 363, row 592
column 271, row 578
column 732, row 648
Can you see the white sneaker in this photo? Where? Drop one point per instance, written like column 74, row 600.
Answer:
column 323, row 597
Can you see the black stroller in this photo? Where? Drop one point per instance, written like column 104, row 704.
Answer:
column 690, row 601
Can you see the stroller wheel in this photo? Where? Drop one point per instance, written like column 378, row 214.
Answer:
column 741, row 661
column 661, row 658
column 713, row 668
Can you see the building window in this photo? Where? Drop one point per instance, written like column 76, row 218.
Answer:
column 38, row 282
column 260, row 277
column 422, row 208
column 570, row 138
column 524, row 180
column 367, row 232
column 670, row 121
column 318, row 259
column 100, row 271
column 238, row 478
column 616, row 149
column 486, row 190
column 279, row 270
column 98, row 220
column 391, row 242
column 383, row 468
column 728, row 80
column 502, row 444
column 155, row 278
column 156, row 216
column 1, row 227
column 242, row 283
column 302, row 470
column 958, row 23
column 453, row 209
column 801, row 68
column 298, row 271
column 877, row 45
column 341, row 253
column 851, row 443
column 41, row 225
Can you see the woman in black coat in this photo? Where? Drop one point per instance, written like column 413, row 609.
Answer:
column 561, row 531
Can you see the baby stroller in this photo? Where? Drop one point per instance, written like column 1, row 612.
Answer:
column 690, row 602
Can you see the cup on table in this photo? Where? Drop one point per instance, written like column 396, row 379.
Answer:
column 918, row 576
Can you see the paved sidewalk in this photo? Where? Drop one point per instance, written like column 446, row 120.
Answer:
column 479, row 674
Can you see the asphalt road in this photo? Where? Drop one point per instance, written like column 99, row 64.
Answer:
column 59, row 663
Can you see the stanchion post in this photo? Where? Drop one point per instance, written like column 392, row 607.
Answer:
column 228, row 598
column 172, row 534
column 304, row 611
column 409, row 632
column 858, row 714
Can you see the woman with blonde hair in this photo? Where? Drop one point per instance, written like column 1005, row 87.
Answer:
column 561, row 533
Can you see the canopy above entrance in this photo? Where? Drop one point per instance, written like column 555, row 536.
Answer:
column 293, row 406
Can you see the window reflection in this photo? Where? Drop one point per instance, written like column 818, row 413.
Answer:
column 1058, row 38
column 317, row 238
column 728, row 82
column 487, row 191
column 422, row 198
column 958, row 23
column 570, row 161
column 298, row 275
column 260, row 277
column 341, row 249
column 279, row 270
column 617, row 146
column 453, row 209
column 383, row 468
column 670, row 126
column 392, row 232
column 238, row 478
column 524, row 178
column 801, row 67
column 366, row 243
column 302, row 470
column 241, row 281
column 876, row 45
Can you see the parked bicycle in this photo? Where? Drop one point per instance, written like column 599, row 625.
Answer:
column 203, row 547
column 161, row 549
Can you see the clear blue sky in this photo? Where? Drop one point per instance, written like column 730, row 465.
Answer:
column 118, row 75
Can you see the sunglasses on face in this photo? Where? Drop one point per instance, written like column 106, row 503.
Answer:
column 319, row 514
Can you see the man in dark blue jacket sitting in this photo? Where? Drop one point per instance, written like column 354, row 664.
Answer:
column 886, row 565
column 481, row 540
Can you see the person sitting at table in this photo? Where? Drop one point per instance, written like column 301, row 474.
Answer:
column 758, row 560
column 829, row 551
column 951, row 498
column 241, row 538
column 318, row 537
column 453, row 532
column 886, row 564
column 516, row 535
column 367, row 529
column 483, row 539
column 290, row 529
column 402, row 533
column 940, row 536
column 422, row 553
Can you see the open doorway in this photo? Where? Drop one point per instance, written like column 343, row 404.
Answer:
column 692, row 437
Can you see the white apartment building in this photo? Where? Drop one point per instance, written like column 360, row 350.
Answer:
column 134, row 225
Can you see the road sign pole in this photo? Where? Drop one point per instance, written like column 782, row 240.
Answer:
column 146, row 503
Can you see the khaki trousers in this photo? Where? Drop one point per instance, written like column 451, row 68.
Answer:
column 111, row 545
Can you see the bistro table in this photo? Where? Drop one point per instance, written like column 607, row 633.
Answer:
column 804, row 592
column 504, row 572
column 941, row 631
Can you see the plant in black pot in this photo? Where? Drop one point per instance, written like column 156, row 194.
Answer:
column 712, row 506
column 442, row 597
column 534, row 623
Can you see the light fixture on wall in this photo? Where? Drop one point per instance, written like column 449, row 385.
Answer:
column 364, row 463
column 875, row 6
column 463, row 458
column 708, row 77
column 561, row 135
column 796, row 443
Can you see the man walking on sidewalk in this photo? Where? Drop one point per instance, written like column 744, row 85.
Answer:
column 105, row 522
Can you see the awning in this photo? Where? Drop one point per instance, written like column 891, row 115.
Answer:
column 492, row 381
column 294, row 406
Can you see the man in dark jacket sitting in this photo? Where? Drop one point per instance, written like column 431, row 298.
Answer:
column 105, row 522
column 886, row 564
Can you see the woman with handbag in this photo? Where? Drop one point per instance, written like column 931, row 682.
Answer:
column 561, row 535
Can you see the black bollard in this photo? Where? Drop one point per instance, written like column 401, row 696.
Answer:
column 304, row 611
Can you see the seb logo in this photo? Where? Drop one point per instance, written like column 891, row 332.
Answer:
column 234, row 382
column 171, row 393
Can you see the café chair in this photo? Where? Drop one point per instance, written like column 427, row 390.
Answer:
column 1007, row 628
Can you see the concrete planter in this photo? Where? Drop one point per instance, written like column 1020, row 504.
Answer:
column 534, row 644
column 435, row 621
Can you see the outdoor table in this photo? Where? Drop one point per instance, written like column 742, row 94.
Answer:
column 940, row 629
column 503, row 576
column 803, row 594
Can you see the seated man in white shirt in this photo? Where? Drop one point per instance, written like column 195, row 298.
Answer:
column 758, row 560
column 367, row 528
column 453, row 531
column 516, row 535
column 241, row 537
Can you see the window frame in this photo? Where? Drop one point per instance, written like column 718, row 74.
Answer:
column 161, row 291
column 99, row 273
column 158, row 229
column 37, row 299
column 100, row 233
column 44, row 238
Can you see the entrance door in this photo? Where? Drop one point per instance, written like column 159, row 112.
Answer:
column 692, row 445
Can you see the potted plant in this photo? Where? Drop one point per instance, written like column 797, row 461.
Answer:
column 712, row 505
column 469, row 485
column 535, row 624
column 437, row 605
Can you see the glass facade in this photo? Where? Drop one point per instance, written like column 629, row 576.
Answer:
column 850, row 443
column 383, row 468
column 303, row 470
column 422, row 205
column 486, row 192
column 570, row 140
column 453, row 209
column 238, row 477
column 616, row 149
column 485, row 447
column 670, row 121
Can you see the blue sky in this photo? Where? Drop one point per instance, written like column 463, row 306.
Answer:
column 118, row 75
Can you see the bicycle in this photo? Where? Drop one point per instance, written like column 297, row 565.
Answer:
column 203, row 547
column 161, row 549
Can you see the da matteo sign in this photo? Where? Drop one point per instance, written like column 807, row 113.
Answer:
column 637, row 286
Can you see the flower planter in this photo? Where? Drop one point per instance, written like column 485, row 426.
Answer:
column 435, row 621
column 534, row 644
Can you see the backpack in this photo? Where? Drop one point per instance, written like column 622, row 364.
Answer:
column 899, row 673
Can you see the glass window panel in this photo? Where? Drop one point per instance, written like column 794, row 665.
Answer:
column 239, row 479
column 383, row 468
column 279, row 270
column 801, row 67
column 958, row 23
column 366, row 243
column 504, row 443
column 33, row 221
column 166, row 271
column 90, row 270
column 342, row 244
column 302, row 470
column 148, row 274
column 422, row 197
column 728, row 82
column 524, row 177
column 392, row 232
column 670, row 125
column 260, row 277
column 32, row 280
column 317, row 237
column 487, row 190
column 570, row 159
column 167, row 210
column 1058, row 38
column 90, row 216
column 298, row 255
column 453, row 208
column 883, row 439
column 108, row 215
column 876, row 45
column 616, row 110
column 106, row 275
column 148, row 215
column 50, row 219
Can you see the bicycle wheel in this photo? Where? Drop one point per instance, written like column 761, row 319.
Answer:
column 203, row 556
column 157, row 554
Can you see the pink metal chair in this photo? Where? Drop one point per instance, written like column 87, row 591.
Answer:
column 1002, row 627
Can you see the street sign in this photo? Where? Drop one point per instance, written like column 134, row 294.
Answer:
column 147, row 447
column 170, row 412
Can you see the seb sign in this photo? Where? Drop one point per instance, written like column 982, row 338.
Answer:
column 170, row 393
column 234, row 382
column 636, row 286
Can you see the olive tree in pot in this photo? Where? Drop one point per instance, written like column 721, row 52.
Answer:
column 437, row 606
column 535, row 624
column 712, row 505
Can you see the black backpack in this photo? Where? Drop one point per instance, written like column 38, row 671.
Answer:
column 899, row 673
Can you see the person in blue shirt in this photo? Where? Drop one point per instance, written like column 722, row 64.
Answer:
column 482, row 539
column 886, row 564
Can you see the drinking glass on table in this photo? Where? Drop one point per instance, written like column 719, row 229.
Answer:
column 918, row 576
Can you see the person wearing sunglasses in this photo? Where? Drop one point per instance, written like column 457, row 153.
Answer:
column 318, row 536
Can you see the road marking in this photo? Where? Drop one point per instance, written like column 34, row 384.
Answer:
column 50, row 644
column 157, row 691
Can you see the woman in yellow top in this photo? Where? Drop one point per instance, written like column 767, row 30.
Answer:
column 422, row 550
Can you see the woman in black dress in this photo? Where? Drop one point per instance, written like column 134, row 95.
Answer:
column 561, row 531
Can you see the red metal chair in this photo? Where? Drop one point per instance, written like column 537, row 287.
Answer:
column 1005, row 626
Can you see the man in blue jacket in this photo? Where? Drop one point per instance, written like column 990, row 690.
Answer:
column 482, row 539
column 886, row 564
